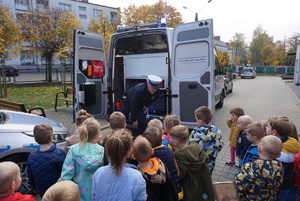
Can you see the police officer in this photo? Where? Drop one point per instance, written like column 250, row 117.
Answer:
column 138, row 98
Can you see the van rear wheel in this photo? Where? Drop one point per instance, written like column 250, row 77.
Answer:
column 220, row 104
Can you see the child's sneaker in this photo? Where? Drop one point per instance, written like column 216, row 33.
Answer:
column 229, row 163
column 237, row 166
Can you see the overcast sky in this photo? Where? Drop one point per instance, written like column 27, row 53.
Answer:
column 279, row 18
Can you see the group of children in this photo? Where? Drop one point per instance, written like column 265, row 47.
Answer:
column 266, row 153
column 167, row 162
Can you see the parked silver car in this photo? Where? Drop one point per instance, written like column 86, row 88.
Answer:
column 248, row 72
column 17, row 141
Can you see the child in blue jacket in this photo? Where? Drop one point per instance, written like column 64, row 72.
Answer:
column 153, row 135
column 242, row 143
column 254, row 133
column 44, row 165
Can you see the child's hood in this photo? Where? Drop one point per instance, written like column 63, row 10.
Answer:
column 205, row 133
column 291, row 146
column 193, row 157
column 89, row 156
column 157, row 174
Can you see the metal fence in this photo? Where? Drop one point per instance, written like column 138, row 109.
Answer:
column 266, row 70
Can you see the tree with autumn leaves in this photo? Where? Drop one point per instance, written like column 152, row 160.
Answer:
column 135, row 15
column 103, row 26
column 49, row 31
column 9, row 32
column 151, row 13
column 9, row 39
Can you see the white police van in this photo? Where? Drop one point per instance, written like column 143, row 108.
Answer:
column 183, row 57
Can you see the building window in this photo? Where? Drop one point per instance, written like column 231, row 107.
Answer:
column 43, row 4
column 21, row 4
column 113, row 17
column 82, row 16
column 81, row 8
column 97, row 12
column 63, row 6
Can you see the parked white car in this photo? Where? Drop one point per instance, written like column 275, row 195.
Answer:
column 248, row 72
column 17, row 141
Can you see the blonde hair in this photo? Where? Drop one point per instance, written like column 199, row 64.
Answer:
column 255, row 129
column 271, row 146
column 170, row 121
column 89, row 130
column 157, row 124
column 63, row 190
column 181, row 133
column 8, row 174
column 117, row 120
column 203, row 113
column 43, row 133
column 141, row 149
column 245, row 120
column 153, row 135
column 117, row 147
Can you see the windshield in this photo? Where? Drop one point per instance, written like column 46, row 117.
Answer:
column 247, row 70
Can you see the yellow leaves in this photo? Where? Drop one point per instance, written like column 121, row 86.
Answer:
column 151, row 13
column 9, row 30
column 223, row 58
column 104, row 27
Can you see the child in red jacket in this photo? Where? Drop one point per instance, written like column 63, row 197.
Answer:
column 10, row 181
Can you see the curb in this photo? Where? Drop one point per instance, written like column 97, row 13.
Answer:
column 293, row 94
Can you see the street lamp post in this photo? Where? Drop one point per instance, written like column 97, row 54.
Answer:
column 196, row 13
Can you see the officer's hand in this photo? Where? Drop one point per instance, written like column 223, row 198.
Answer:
column 145, row 109
column 135, row 123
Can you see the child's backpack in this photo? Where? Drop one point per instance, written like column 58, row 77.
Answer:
column 296, row 179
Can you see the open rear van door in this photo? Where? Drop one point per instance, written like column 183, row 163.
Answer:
column 192, row 70
column 89, row 73
column 297, row 67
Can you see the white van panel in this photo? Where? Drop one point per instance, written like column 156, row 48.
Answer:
column 192, row 66
column 141, row 65
column 191, row 63
column 297, row 67
column 89, row 50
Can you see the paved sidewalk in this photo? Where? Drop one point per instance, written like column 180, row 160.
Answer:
column 64, row 115
column 261, row 98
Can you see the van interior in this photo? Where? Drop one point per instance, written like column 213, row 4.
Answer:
column 136, row 57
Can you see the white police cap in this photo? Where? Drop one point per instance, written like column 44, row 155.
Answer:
column 154, row 81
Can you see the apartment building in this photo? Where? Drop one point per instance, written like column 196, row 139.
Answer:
column 84, row 11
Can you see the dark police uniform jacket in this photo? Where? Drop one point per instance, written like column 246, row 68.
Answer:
column 139, row 97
